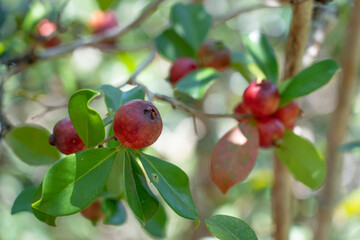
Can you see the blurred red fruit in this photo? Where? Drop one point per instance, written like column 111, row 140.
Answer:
column 288, row 114
column 180, row 68
column 270, row 131
column 213, row 53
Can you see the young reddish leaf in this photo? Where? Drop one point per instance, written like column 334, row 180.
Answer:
column 233, row 157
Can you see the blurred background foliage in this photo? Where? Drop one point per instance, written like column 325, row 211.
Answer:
column 30, row 95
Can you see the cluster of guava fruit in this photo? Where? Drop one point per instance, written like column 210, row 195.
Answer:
column 261, row 104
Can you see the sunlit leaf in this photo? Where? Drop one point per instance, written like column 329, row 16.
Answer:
column 240, row 62
column 31, row 144
column 234, row 156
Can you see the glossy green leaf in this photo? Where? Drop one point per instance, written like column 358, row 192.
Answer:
column 86, row 121
column 23, row 201
column 263, row 54
column 113, row 143
column 114, row 211
column 74, row 182
column 350, row 146
column 234, row 156
column 43, row 217
column 302, row 160
column 192, row 22
column 172, row 46
column 115, row 183
column 241, row 62
column 135, row 93
column 309, row 80
column 31, row 144
column 156, row 227
column 105, row 4
column 230, row 228
column 141, row 200
column 172, row 183
column 196, row 83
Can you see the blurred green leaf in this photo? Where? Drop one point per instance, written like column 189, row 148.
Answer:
column 141, row 200
column 115, row 183
column 31, row 144
column 230, row 228
column 308, row 80
column 197, row 82
column 105, row 4
column 23, row 201
column 86, row 121
column 191, row 22
column 234, row 156
column 43, row 217
column 263, row 54
column 157, row 225
column 302, row 160
column 172, row 46
column 240, row 62
column 129, row 60
column 172, row 183
column 350, row 146
column 351, row 203
column 74, row 182
column 37, row 11
column 114, row 211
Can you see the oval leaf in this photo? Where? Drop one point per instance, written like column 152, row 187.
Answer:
column 230, row 228
column 191, row 22
column 308, row 80
column 172, row 46
column 234, row 156
column 87, row 122
column 196, row 83
column 141, row 200
column 31, row 144
column 263, row 54
column 75, row 181
column 156, row 226
column 23, row 200
column 302, row 160
column 43, row 217
column 172, row 183
column 114, row 212
column 115, row 182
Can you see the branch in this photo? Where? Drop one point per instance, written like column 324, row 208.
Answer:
column 299, row 32
column 339, row 123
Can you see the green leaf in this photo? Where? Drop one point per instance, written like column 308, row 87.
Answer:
column 241, row 62
column 31, row 144
column 196, row 83
column 350, row 146
column 230, row 228
column 263, row 54
column 172, row 183
column 105, row 4
column 114, row 211
column 309, row 80
column 234, row 156
column 23, row 200
column 135, row 93
column 113, row 143
column 302, row 160
column 75, row 181
column 172, row 46
column 157, row 225
column 191, row 22
column 141, row 200
column 115, row 183
column 87, row 122
column 43, row 217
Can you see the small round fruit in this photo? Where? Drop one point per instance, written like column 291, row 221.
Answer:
column 180, row 68
column 101, row 21
column 213, row 53
column 270, row 131
column 288, row 114
column 262, row 98
column 137, row 124
column 65, row 138
column 241, row 109
column 46, row 30
column 93, row 212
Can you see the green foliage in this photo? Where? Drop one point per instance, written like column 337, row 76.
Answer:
column 172, row 183
column 115, row 183
column 196, row 83
column 141, row 200
column 157, row 225
column 86, row 121
column 114, row 211
column 263, row 54
column 75, row 181
column 23, row 200
column 30, row 143
column 230, row 228
column 106, row 4
column 241, row 63
column 302, row 160
column 350, row 146
column 308, row 80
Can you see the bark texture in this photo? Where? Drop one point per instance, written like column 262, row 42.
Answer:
column 339, row 123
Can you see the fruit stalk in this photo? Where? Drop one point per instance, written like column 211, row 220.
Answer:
column 339, row 123
column 296, row 43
